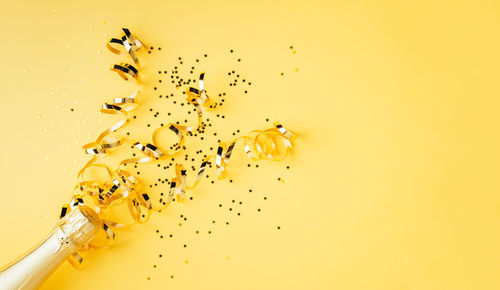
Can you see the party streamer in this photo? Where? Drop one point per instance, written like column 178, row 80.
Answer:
column 121, row 187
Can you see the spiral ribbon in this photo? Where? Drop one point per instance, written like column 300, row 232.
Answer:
column 122, row 186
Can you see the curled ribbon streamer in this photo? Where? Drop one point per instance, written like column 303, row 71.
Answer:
column 129, row 41
column 121, row 186
column 132, row 45
column 100, row 191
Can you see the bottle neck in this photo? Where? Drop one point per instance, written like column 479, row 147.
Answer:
column 69, row 235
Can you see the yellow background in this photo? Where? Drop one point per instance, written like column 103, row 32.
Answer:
column 394, row 178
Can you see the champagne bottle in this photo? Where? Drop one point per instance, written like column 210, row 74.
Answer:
column 70, row 234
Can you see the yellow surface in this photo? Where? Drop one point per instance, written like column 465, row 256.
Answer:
column 393, row 183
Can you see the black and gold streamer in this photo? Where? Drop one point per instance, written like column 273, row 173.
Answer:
column 121, row 186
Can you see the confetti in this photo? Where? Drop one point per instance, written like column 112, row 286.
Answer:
column 122, row 187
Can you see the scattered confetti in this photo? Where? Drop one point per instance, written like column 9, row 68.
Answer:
column 121, row 185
